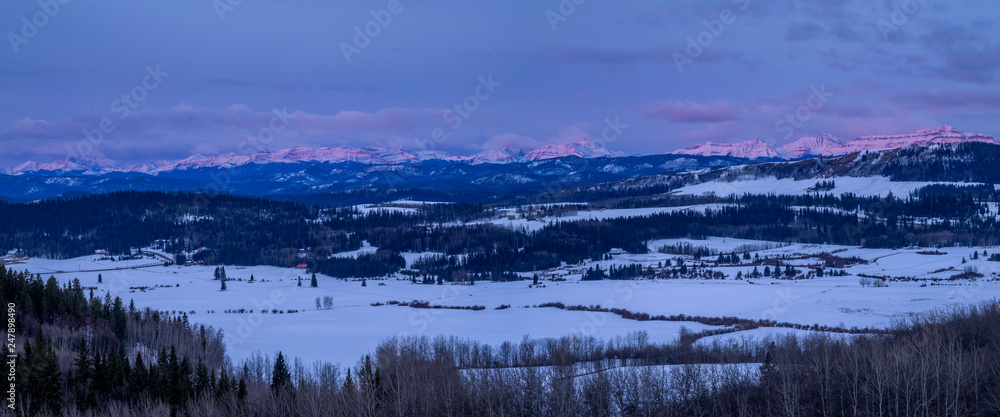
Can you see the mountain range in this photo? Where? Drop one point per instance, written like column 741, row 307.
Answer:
column 830, row 145
column 822, row 145
column 368, row 156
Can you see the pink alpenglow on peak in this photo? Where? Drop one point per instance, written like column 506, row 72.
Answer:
column 941, row 135
column 830, row 145
column 584, row 149
column 812, row 145
column 369, row 156
column 504, row 155
column 752, row 149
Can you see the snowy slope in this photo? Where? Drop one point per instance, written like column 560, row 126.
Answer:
column 829, row 145
column 861, row 186
column 752, row 149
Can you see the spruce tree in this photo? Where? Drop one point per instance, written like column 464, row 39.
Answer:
column 100, row 279
column 223, row 285
column 280, row 377
column 314, row 283
column 300, row 282
column 83, row 374
column 242, row 392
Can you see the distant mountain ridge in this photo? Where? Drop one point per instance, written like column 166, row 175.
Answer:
column 830, row 145
column 369, row 156
column 756, row 149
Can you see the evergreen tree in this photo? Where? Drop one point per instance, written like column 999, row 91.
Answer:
column 314, row 283
column 280, row 377
column 223, row 285
column 100, row 279
column 300, row 282
column 84, row 370
column 364, row 282
column 242, row 392
column 534, row 279
column 43, row 377
column 140, row 376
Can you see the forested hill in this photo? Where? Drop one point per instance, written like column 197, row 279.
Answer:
column 470, row 244
column 235, row 230
column 969, row 162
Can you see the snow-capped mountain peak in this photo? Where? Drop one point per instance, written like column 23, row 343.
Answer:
column 751, row 149
column 506, row 154
column 367, row 155
column 812, row 145
column 82, row 164
column 830, row 145
column 585, row 148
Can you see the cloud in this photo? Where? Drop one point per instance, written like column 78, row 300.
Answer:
column 392, row 119
column 182, row 130
column 690, row 112
column 500, row 141
column 803, row 31
column 979, row 101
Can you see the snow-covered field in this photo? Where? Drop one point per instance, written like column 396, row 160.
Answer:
column 861, row 186
column 353, row 327
column 512, row 218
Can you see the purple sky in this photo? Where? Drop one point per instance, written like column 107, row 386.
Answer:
column 562, row 74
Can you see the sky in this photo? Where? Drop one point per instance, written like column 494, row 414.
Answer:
column 141, row 81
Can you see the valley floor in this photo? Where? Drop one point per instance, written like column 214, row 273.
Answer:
column 917, row 283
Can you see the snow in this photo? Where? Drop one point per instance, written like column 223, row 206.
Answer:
column 191, row 218
column 752, row 149
column 412, row 257
column 354, row 327
column 829, row 145
column 860, row 186
column 584, row 148
column 538, row 223
column 763, row 334
column 719, row 244
column 370, row 208
column 366, row 249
